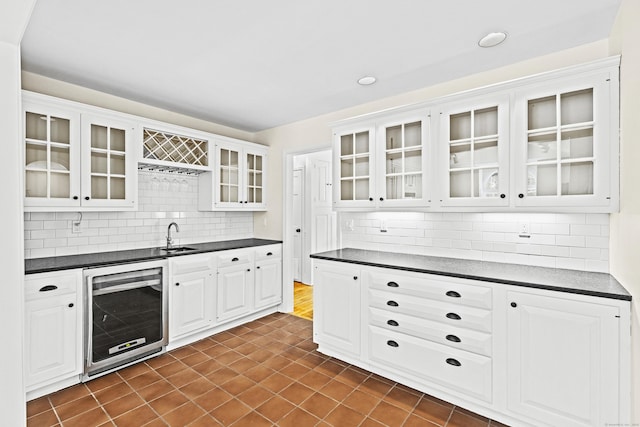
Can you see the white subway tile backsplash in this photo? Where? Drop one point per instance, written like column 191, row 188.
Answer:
column 109, row 231
column 575, row 241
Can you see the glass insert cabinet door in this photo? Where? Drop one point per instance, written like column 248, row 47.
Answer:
column 562, row 140
column 254, row 178
column 401, row 172
column 354, row 168
column 474, row 138
column 229, row 175
column 52, row 156
column 106, row 174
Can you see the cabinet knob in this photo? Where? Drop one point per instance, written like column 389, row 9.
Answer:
column 453, row 338
column 70, row 305
column 258, row 268
column 392, row 323
column 355, row 277
column 248, row 269
column 453, row 294
column 177, row 284
column 382, row 199
column 371, row 199
column 297, row 230
column 453, row 316
column 87, row 197
column 392, row 285
column 392, row 304
column 392, row 343
column 453, row 362
column 502, row 196
column 48, row 288
column 75, row 197
column 521, row 196
column 513, row 304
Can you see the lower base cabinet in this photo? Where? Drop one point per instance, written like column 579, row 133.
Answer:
column 235, row 291
column 53, row 328
column 544, row 358
column 564, row 360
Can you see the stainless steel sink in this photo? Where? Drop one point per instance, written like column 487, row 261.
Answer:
column 177, row 249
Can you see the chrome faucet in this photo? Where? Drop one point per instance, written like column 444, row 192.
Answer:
column 169, row 239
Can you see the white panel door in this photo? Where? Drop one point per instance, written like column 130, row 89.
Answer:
column 336, row 295
column 51, row 338
column 298, row 188
column 323, row 219
column 562, row 360
column 191, row 303
column 235, row 291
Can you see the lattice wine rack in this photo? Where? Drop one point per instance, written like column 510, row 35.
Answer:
column 167, row 147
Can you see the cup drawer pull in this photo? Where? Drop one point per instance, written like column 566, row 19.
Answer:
column 393, row 285
column 392, row 323
column 453, row 294
column 48, row 288
column 453, row 362
column 392, row 343
column 392, row 304
column 453, row 338
column 235, row 259
column 453, row 316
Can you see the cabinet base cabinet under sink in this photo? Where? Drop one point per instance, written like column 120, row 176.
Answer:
column 519, row 355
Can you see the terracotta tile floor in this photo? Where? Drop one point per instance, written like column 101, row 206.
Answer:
column 261, row 374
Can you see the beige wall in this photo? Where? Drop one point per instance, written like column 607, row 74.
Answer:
column 315, row 132
column 60, row 89
column 625, row 226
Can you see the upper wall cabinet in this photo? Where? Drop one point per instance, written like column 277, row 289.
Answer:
column 383, row 164
column 566, row 146
column 238, row 178
column 76, row 160
column 474, row 152
column 545, row 143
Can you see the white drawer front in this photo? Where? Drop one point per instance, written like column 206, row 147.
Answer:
column 449, row 335
column 235, row 257
column 440, row 288
column 268, row 252
column 449, row 314
column 457, row 370
column 192, row 263
column 45, row 285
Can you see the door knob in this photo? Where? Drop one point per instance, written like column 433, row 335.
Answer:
column 297, row 230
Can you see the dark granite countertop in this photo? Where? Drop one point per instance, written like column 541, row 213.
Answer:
column 556, row 279
column 43, row 265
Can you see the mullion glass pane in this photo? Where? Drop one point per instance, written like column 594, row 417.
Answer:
column 36, row 126
column 577, row 143
column 485, row 122
column 542, row 180
column 577, row 178
column 460, row 184
column 542, row 113
column 576, row 107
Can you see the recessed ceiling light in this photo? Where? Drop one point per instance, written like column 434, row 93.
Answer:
column 366, row 80
column 492, row 39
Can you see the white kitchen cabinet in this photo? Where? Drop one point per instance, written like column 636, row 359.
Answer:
column 474, row 152
column 53, row 329
column 191, row 294
column 268, row 276
column 77, row 159
column 235, row 284
column 566, row 142
column 563, row 360
column 382, row 163
column 238, row 181
column 337, row 307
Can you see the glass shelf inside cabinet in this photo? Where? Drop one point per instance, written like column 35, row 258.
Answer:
column 354, row 166
column 47, row 156
column 473, row 154
column 560, row 153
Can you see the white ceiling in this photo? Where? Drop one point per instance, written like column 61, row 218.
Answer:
column 255, row 64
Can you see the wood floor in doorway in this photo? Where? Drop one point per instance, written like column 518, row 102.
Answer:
column 303, row 300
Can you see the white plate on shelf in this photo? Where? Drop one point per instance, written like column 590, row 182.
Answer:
column 42, row 164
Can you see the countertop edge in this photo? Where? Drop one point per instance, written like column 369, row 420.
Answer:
column 481, row 278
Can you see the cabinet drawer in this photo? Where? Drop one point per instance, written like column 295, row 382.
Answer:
column 192, row 264
column 268, row 252
column 450, row 314
column 234, row 257
column 46, row 285
column 457, row 370
column 449, row 335
column 439, row 288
